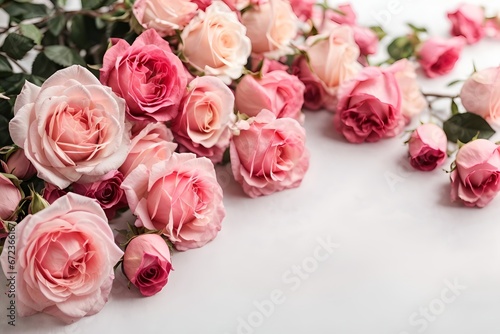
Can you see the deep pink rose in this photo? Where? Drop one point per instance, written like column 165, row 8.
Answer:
column 315, row 95
column 202, row 4
column 438, row 56
column 467, row 21
column 369, row 106
column 11, row 196
column 277, row 91
column 151, row 144
column 270, row 155
column 427, row 147
column 64, row 260
column 147, row 75
column 146, row 263
column 180, row 197
column 51, row 192
column 481, row 94
column 17, row 164
column 202, row 126
column 475, row 180
column 106, row 191
column 303, row 8
column 71, row 128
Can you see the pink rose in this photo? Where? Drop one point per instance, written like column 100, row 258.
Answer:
column 277, row 91
column 259, row 63
column 303, row 8
column 492, row 27
column 238, row 5
column 413, row 102
column 315, row 94
column 369, row 106
column 106, row 191
column 202, row 4
column 151, row 144
column 475, row 180
column 164, row 16
column 481, row 94
column 222, row 37
column 344, row 15
column 333, row 59
column 64, row 260
column 427, row 147
column 438, row 56
column 202, row 125
column 146, row 263
column 271, row 26
column 467, row 21
column 51, row 193
column 270, row 155
column 147, row 75
column 11, row 196
column 71, row 128
column 180, row 197
column 17, row 164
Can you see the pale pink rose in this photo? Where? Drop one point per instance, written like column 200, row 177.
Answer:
column 438, row 56
column 333, row 59
column 164, row 16
column 222, row 37
column 17, row 164
column 413, row 102
column 427, row 147
column 51, row 193
column 315, row 95
column 179, row 197
column 64, row 260
column 106, row 191
column 492, row 27
column 481, row 94
column 271, row 26
column 151, row 144
column 270, row 155
column 303, row 8
column 11, row 196
column 467, row 21
column 277, row 91
column 202, row 126
column 71, row 128
column 146, row 263
column 475, row 180
column 369, row 106
column 147, row 75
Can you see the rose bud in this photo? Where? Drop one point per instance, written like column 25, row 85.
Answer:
column 146, row 263
column 475, row 180
column 438, row 56
column 467, row 21
column 427, row 147
column 11, row 196
column 17, row 164
column 37, row 204
column 52, row 192
column 481, row 94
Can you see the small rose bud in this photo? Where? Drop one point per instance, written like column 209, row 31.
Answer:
column 38, row 203
column 427, row 147
column 11, row 196
column 17, row 164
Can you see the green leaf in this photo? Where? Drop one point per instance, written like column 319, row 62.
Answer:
column 379, row 32
column 43, row 66
column 12, row 84
column 84, row 32
column 454, row 107
column 400, row 48
column 4, row 130
column 417, row 29
column 463, row 127
column 16, row 46
column 19, row 12
column 56, row 24
column 95, row 4
column 454, row 82
column 32, row 32
column 63, row 55
column 5, row 67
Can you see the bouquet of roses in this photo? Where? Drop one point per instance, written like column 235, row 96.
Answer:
column 128, row 106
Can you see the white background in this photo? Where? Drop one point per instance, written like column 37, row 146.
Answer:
column 399, row 241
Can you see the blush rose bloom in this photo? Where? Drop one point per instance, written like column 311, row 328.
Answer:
column 146, row 263
column 147, row 75
column 480, row 94
column 151, row 144
column 315, row 95
column 106, row 191
column 11, row 196
column 427, row 147
column 164, row 16
column 271, row 26
column 222, row 37
column 179, row 197
column 467, row 21
column 17, row 164
column 369, row 106
column 202, row 126
column 413, row 102
column 270, row 155
column 71, row 128
column 438, row 56
column 277, row 91
column 475, row 180
column 64, row 260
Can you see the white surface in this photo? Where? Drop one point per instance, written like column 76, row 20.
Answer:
column 399, row 239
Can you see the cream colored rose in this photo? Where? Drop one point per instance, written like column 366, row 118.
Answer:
column 271, row 27
column 215, row 43
column 413, row 101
